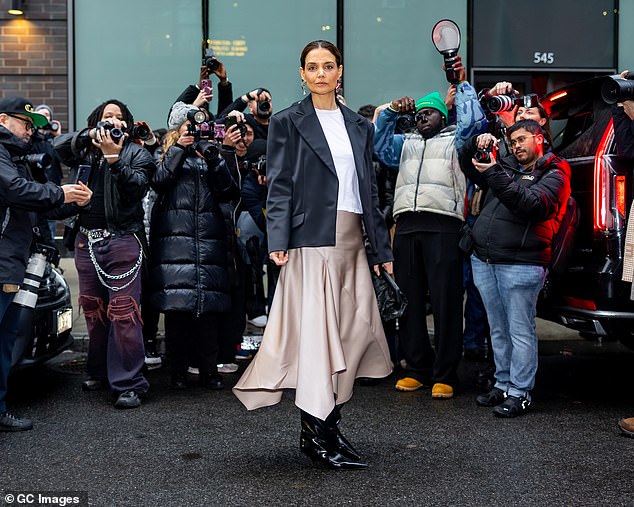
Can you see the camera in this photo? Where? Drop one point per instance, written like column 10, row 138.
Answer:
column 210, row 61
column 115, row 133
column 233, row 120
column 616, row 89
column 503, row 103
column 52, row 126
column 483, row 155
column 140, row 131
column 204, row 134
column 405, row 122
column 35, row 160
column 263, row 109
column 209, row 149
column 260, row 165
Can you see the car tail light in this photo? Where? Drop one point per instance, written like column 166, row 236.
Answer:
column 603, row 196
column 620, row 195
column 582, row 304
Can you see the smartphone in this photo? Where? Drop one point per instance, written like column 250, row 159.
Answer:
column 83, row 174
column 206, row 86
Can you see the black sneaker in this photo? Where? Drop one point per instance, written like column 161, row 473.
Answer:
column 494, row 397
column 9, row 422
column 128, row 399
column 212, row 381
column 512, row 407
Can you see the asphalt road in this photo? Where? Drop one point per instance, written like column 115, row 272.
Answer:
column 202, row 448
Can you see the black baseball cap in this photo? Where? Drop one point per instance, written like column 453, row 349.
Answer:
column 19, row 105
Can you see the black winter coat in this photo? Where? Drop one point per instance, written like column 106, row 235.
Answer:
column 521, row 212
column 125, row 183
column 21, row 199
column 188, row 235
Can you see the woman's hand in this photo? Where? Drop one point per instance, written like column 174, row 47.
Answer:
column 387, row 266
column 185, row 140
column 279, row 257
column 203, row 98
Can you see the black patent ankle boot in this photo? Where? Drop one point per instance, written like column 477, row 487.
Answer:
column 343, row 446
column 318, row 441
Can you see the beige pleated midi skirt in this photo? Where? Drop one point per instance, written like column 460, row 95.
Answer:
column 324, row 328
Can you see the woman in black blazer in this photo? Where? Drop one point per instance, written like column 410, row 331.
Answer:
column 324, row 329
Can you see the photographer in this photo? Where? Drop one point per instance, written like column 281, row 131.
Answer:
column 21, row 197
column 237, row 139
column 261, row 108
column 429, row 211
column 526, row 198
column 108, row 248
column 504, row 106
column 198, row 96
column 188, row 251
column 42, row 142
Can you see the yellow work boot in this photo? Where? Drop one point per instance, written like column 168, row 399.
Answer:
column 627, row 426
column 408, row 384
column 442, row 391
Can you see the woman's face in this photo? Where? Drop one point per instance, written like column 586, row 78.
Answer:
column 320, row 71
column 529, row 113
column 111, row 112
column 183, row 128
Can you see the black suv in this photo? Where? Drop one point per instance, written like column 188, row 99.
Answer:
column 590, row 296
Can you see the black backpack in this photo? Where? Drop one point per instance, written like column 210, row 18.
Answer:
column 564, row 238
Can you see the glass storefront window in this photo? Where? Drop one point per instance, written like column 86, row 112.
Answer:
column 143, row 53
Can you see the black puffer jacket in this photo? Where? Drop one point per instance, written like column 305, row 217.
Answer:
column 188, row 247
column 521, row 211
column 21, row 199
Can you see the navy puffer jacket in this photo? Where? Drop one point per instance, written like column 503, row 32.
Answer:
column 188, row 247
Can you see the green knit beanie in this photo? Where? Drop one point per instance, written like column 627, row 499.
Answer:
column 433, row 100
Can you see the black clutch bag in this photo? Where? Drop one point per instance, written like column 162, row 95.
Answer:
column 391, row 300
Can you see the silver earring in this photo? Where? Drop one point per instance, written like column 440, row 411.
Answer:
column 303, row 88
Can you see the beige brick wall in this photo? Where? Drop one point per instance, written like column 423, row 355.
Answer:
column 33, row 55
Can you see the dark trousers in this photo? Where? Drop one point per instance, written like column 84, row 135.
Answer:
column 115, row 347
column 430, row 261
column 149, row 314
column 233, row 322
column 190, row 337
column 6, row 348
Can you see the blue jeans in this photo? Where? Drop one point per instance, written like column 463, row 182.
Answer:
column 509, row 293
column 6, row 348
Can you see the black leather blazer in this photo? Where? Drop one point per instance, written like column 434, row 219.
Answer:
column 301, row 206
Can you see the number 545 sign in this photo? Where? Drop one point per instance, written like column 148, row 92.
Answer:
column 547, row 58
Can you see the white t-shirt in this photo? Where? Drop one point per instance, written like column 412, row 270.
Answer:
column 334, row 127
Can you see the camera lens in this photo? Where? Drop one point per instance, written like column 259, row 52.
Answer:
column 614, row 90
column 207, row 149
column 116, row 134
column 483, row 156
column 212, row 64
column 140, row 132
column 500, row 103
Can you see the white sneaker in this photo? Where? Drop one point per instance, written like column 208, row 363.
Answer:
column 227, row 368
column 193, row 371
column 258, row 321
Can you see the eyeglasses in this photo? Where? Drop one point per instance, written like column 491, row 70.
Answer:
column 28, row 125
column 520, row 140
